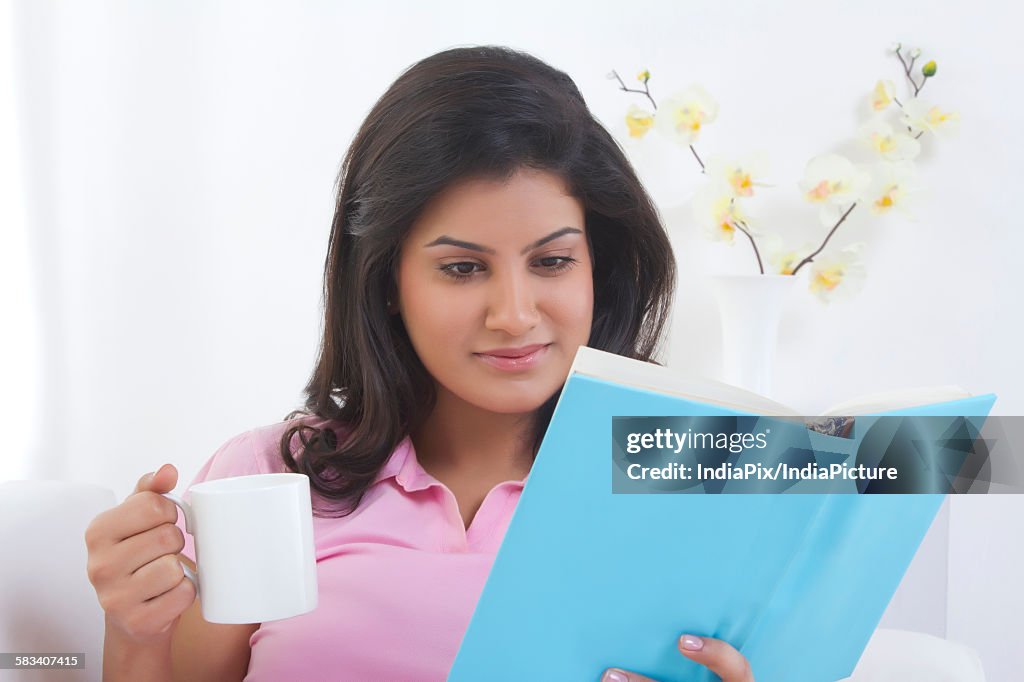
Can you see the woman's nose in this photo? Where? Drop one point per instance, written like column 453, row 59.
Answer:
column 512, row 305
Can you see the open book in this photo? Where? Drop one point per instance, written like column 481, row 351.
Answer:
column 586, row 579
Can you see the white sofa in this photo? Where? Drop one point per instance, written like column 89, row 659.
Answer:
column 47, row 604
column 903, row 656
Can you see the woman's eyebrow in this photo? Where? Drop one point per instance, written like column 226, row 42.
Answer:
column 445, row 239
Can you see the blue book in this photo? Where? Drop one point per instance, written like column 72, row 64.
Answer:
column 587, row 579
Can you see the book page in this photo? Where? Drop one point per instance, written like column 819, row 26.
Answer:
column 639, row 374
column 898, row 400
column 645, row 375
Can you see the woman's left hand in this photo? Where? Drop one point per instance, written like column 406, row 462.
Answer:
column 717, row 656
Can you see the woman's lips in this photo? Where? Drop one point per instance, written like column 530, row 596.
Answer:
column 517, row 364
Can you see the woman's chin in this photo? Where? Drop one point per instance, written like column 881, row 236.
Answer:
column 512, row 404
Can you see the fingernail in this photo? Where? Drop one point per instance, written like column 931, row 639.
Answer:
column 691, row 642
column 614, row 676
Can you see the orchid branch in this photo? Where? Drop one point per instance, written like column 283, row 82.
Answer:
column 646, row 91
column 810, row 258
column 906, row 70
column 742, row 227
column 698, row 158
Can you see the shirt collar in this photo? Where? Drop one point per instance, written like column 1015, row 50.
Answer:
column 403, row 466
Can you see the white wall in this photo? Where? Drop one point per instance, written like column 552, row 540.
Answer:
column 179, row 163
column 19, row 359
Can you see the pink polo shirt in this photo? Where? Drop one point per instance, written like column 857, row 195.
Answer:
column 398, row 578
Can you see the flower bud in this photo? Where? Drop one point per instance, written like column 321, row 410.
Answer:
column 929, row 69
column 894, row 47
column 915, row 53
column 644, row 76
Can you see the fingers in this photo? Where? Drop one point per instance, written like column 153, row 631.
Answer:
column 714, row 654
column 620, row 675
column 156, row 578
column 142, row 510
column 168, row 606
column 155, row 616
column 717, row 656
column 139, row 550
column 117, row 563
column 137, row 514
column 148, row 583
column 162, row 480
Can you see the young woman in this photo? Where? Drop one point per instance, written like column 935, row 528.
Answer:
column 486, row 227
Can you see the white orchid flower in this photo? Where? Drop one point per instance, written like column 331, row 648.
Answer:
column 831, row 180
column 638, row 121
column 893, row 186
column 921, row 116
column 883, row 95
column 719, row 213
column 782, row 257
column 892, row 145
column 837, row 277
column 739, row 175
column 683, row 115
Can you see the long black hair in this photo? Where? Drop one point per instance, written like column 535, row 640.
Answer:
column 463, row 113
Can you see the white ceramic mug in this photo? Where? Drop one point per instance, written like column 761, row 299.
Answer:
column 255, row 556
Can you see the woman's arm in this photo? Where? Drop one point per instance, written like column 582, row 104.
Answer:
column 127, row 659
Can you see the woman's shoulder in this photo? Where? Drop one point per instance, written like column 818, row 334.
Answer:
column 258, row 450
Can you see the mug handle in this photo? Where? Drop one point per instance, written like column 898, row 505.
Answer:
column 186, row 509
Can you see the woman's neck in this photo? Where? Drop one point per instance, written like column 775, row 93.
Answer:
column 462, row 440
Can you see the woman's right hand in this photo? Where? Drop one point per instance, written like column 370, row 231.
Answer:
column 133, row 563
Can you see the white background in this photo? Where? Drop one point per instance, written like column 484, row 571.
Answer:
column 167, row 189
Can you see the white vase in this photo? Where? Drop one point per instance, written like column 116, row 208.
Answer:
column 750, row 307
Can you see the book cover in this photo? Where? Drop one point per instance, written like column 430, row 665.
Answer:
column 587, row 579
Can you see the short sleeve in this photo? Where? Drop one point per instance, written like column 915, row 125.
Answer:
column 248, row 453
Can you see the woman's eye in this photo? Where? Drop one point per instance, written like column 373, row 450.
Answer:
column 464, row 270
column 557, row 263
column 460, row 268
column 459, row 271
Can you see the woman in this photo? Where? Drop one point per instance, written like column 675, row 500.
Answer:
column 486, row 227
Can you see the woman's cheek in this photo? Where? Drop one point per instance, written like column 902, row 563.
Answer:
column 449, row 320
column 576, row 303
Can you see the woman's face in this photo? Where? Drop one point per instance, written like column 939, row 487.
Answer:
column 492, row 268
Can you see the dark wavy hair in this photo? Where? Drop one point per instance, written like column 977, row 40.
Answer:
column 473, row 112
